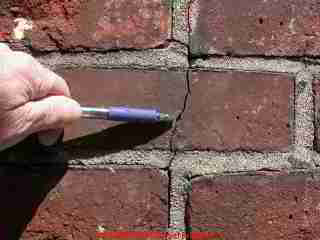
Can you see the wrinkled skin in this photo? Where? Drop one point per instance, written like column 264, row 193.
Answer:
column 33, row 99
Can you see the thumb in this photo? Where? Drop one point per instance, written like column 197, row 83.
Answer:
column 52, row 113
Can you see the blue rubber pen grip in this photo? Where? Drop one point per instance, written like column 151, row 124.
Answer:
column 133, row 115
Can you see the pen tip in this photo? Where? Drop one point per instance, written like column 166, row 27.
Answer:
column 165, row 118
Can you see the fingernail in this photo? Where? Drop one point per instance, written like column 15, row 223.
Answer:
column 50, row 137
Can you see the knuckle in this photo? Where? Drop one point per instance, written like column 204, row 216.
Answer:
column 45, row 115
column 35, row 116
column 31, row 114
column 50, row 117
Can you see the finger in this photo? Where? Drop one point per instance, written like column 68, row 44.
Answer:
column 4, row 48
column 42, row 81
column 50, row 83
column 51, row 113
column 50, row 137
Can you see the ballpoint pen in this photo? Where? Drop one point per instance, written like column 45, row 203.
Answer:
column 126, row 114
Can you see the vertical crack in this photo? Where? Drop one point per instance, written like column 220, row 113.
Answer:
column 178, row 119
column 188, row 89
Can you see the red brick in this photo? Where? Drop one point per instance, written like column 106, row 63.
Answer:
column 155, row 89
column 80, row 24
column 231, row 111
column 81, row 200
column 316, row 94
column 280, row 206
column 255, row 27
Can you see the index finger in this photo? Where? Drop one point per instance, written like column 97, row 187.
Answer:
column 44, row 82
column 52, row 84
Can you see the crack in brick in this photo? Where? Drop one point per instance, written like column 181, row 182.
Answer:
column 179, row 118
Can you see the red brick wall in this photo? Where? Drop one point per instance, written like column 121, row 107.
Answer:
column 241, row 159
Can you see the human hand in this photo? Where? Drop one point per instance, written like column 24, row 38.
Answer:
column 33, row 99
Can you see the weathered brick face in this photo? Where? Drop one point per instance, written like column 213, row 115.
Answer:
column 237, row 111
column 255, row 27
column 278, row 206
column 150, row 89
column 93, row 24
column 81, row 201
column 236, row 76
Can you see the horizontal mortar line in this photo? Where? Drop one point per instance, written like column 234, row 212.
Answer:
column 175, row 69
column 128, row 163
column 84, row 163
column 93, row 51
column 250, row 63
column 125, row 67
column 254, row 173
column 98, row 58
column 92, row 54
column 84, row 49
column 228, row 153
column 258, row 56
column 169, row 68
column 164, row 163
column 109, row 166
column 94, row 63
column 164, row 67
column 115, row 165
column 215, row 163
column 247, row 69
column 189, row 170
column 74, row 151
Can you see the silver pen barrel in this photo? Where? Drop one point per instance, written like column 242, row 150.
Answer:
column 95, row 113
